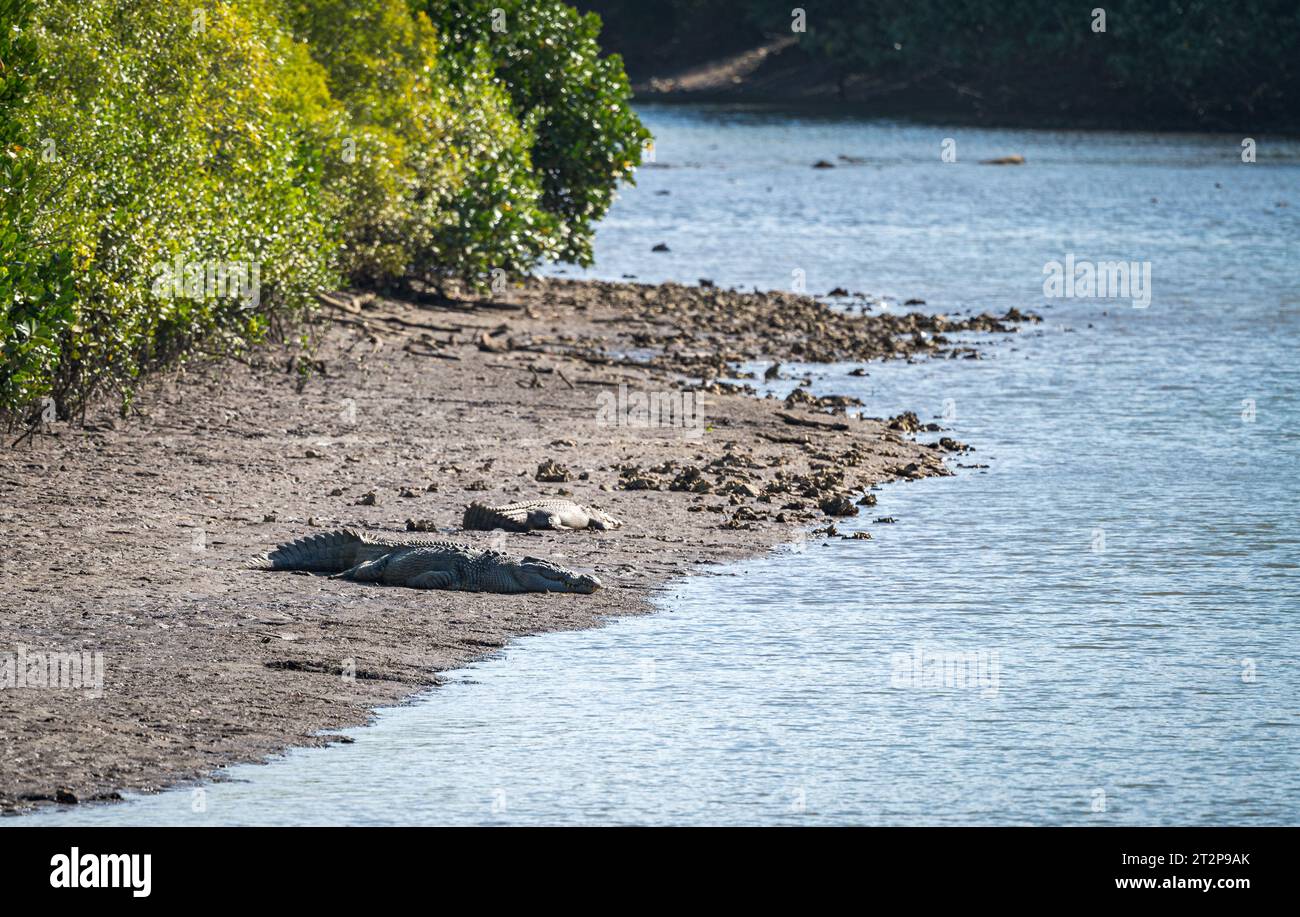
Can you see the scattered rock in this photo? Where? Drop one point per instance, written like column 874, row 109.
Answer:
column 635, row 479
column 743, row 489
column 691, row 480
column 552, row 472
column 838, row 505
column 906, row 422
column 369, row 498
column 834, row 404
column 886, row 520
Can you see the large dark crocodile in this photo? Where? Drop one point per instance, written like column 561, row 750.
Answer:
column 536, row 514
column 422, row 563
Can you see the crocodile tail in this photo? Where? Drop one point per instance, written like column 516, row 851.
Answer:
column 328, row 552
column 479, row 517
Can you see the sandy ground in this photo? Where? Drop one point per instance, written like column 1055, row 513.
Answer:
column 129, row 537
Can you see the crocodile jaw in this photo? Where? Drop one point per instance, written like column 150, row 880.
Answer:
column 537, row 575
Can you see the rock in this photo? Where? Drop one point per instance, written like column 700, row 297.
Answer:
column 838, row 505
column 1013, row 160
column 691, row 480
column 639, row 481
column 823, row 164
column 886, row 520
column 369, row 498
column 661, row 247
column 867, row 500
column 407, row 493
column 838, row 291
column 915, row 302
column 552, row 472
column 421, row 525
column 489, row 344
column 857, row 535
column 66, row 796
column 906, row 422
column 743, row 489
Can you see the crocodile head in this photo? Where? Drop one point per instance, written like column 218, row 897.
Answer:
column 602, row 520
column 537, row 575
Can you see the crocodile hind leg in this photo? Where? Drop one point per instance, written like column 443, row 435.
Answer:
column 367, row 571
column 434, row 579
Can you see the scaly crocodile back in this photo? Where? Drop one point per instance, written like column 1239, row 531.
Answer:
column 521, row 516
column 334, row 552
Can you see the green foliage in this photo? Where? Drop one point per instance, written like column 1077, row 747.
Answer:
column 586, row 136
column 149, row 147
column 36, row 290
column 434, row 175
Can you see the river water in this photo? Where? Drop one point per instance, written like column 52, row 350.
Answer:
column 1098, row 627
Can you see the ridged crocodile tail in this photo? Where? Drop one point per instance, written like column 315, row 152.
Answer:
column 328, row 552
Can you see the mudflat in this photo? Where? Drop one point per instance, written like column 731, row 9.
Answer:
column 129, row 537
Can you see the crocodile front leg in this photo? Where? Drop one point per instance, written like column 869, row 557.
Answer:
column 368, row 571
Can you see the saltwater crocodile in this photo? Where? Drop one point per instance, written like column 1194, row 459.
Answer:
column 422, row 563
column 536, row 514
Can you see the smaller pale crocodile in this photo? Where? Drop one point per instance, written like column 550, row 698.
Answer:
column 422, row 563
column 536, row 514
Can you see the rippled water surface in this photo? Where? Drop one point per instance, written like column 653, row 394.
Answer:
column 1123, row 571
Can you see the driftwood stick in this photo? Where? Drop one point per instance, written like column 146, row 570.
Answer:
column 816, row 424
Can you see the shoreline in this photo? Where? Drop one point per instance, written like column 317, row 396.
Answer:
column 129, row 537
column 776, row 75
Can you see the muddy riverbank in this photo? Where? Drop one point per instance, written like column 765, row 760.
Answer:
column 129, row 537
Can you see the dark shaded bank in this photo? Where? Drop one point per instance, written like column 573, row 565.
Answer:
column 1190, row 66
